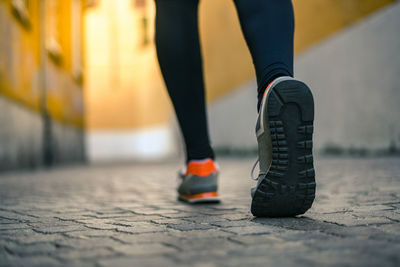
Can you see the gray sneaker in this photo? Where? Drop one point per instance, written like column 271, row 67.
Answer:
column 199, row 182
column 286, row 180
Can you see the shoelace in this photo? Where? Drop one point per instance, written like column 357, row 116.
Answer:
column 252, row 171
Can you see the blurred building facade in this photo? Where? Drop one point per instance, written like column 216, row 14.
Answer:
column 41, row 103
column 81, row 77
column 128, row 111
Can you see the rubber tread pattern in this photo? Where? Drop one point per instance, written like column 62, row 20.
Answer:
column 288, row 189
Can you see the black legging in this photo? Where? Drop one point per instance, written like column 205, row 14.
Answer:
column 268, row 27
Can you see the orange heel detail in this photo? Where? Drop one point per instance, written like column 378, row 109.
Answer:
column 201, row 168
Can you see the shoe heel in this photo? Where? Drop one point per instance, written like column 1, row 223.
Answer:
column 289, row 186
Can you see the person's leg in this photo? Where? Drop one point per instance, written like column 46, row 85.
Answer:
column 286, row 181
column 268, row 27
column 179, row 55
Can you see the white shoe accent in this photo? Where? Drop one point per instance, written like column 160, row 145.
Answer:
column 261, row 113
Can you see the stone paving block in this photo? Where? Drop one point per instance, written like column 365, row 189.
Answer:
column 5, row 242
column 289, row 249
column 95, row 254
column 17, row 216
column 31, row 237
column 216, row 212
column 129, row 261
column 204, row 244
column 98, row 225
column 203, row 257
column 204, row 219
column 144, row 211
column 391, row 229
column 13, row 226
column 253, row 230
column 73, row 217
column 395, row 205
column 145, row 238
column 42, row 248
column 346, row 258
column 351, row 219
column 58, row 228
column 88, row 243
column 370, row 247
column 371, row 208
column 391, row 214
column 227, row 224
column 362, row 232
column 6, row 221
column 166, row 221
column 28, row 236
column 254, row 240
column 310, row 222
column 122, row 226
column 138, row 218
column 236, row 216
column 148, row 249
column 21, row 232
column 199, row 234
column 142, row 227
column 188, row 226
column 180, row 214
column 279, row 260
column 34, row 261
column 110, row 215
column 307, row 237
column 87, row 233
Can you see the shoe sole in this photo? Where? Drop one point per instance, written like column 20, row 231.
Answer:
column 289, row 186
column 209, row 197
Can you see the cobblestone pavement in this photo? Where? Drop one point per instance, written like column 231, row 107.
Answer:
column 127, row 215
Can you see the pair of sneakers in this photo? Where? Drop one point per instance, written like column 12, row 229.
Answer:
column 286, row 178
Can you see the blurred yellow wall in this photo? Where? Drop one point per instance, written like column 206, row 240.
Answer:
column 19, row 53
column 124, row 89
column 64, row 68
column 317, row 19
column 227, row 61
column 25, row 74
